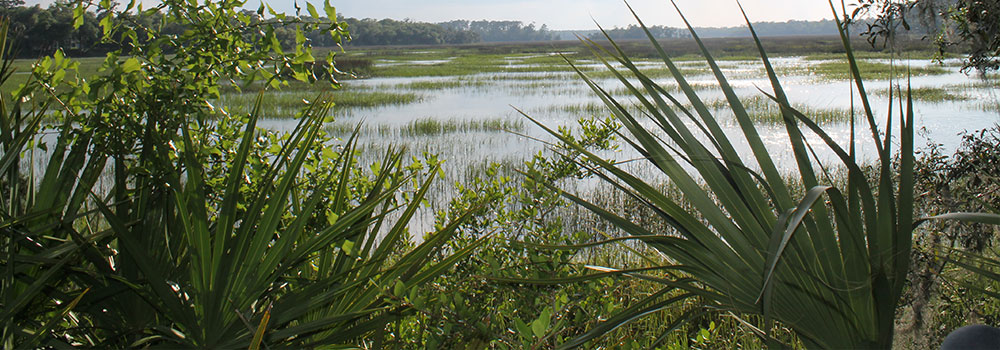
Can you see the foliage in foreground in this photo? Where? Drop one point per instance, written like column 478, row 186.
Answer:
column 969, row 23
column 160, row 221
column 832, row 270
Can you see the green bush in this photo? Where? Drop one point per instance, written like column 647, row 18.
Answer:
column 163, row 221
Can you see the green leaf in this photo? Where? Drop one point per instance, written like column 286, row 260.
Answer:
column 78, row 13
column 131, row 65
column 541, row 325
column 522, row 328
column 348, row 247
column 303, row 57
column 106, row 26
column 312, row 10
column 300, row 38
column 331, row 12
column 399, row 289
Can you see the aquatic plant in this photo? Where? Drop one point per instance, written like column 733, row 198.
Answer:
column 831, row 265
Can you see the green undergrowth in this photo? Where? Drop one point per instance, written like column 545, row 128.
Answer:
column 21, row 68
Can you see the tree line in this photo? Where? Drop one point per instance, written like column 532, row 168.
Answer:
column 44, row 29
column 636, row 32
column 503, row 31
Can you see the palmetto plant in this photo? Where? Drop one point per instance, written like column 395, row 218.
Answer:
column 290, row 246
column 39, row 246
column 258, row 270
column 830, row 264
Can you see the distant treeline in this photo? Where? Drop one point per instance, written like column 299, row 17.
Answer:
column 636, row 32
column 41, row 30
column 392, row 32
column 769, row 29
column 503, row 31
column 789, row 28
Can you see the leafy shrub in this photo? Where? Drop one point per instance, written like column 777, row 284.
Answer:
column 207, row 231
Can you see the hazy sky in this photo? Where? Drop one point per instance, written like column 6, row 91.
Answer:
column 571, row 14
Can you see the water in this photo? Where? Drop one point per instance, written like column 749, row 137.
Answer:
column 506, row 93
column 550, row 97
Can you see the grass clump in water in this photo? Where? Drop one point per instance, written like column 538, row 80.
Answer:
column 433, row 127
column 430, row 127
column 592, row 109
column 275, row 104
column 839, row 70
column 990, row 106
column 454, row 83
column 864, row 55
column 432, row 85
column 625, row 92
column 928, row 94
column 763, row 110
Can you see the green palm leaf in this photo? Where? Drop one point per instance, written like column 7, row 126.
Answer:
column 828, row 265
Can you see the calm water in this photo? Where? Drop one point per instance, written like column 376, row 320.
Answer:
column 550, row 97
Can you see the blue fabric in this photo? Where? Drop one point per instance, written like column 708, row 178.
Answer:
column 973, row 337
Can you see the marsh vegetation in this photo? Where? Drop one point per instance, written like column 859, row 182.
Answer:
column 730, row 193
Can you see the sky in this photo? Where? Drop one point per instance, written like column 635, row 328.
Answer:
column 570, row 14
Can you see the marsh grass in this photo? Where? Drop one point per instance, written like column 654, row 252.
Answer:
column 658, row 72
column 759, row 109
column 582, row 109
column 466, row 65
column 539, row 76
column 864, row 55
column 546, row 86
column 463, row 63
column 990, row 106
column 624, row 92
column 928, row 94
column 762, row 110
column 430, row 127
column 982, row 83
column 433, row 126
column 276, row 104
column 839, row 70
column 438, row 84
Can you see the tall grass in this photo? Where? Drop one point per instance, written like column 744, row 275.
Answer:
column 430, row 127
column 832, row 269
column 928, row 94
column 763, row 110
column 869, row 70
column 284, row 104
column 434, row 126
